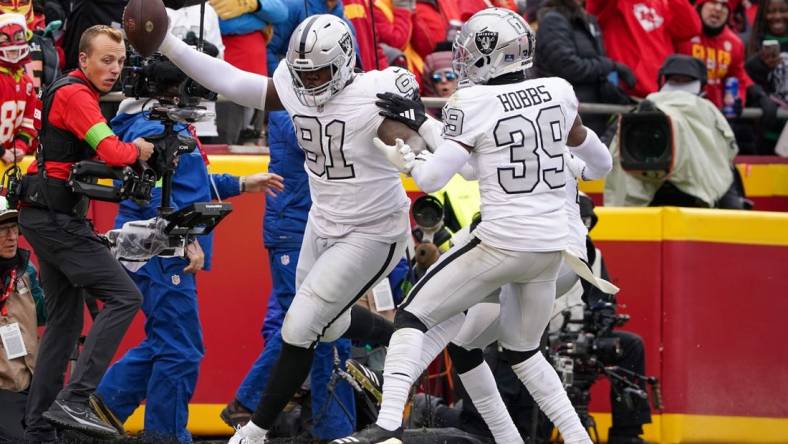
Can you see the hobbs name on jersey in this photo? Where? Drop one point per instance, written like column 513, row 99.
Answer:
column 524, row 98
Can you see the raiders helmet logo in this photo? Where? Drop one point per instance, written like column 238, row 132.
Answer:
column 486, row 41
column 346, row 43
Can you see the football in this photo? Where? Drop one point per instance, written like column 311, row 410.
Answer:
column 145, row 23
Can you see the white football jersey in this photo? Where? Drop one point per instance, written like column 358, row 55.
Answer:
column 353, row 186
column 518, row 133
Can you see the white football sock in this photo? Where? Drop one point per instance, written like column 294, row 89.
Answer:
column 403, row 366
column 479, row 382
column 437, row 338
column 545, row 387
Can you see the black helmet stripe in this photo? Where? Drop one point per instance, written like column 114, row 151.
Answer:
column 304, row 35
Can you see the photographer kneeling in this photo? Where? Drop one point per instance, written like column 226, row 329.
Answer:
column 677, row 148
column 163, row 368
column 71, row 257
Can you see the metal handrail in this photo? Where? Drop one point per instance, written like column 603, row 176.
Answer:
column 588, row 108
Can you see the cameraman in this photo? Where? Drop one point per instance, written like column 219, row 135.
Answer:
column 695, row 140
column 71, row 256
column 163, row 368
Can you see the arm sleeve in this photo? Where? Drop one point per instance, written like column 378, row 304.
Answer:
column 433, row 171
column 684, row 20
column 597, row 158
column 556, row 50
column 468, row 172
column 84, row 120
column 226, row 185
column 272, row 11
column 28, row 130
column 431, row 132
column 239, row 86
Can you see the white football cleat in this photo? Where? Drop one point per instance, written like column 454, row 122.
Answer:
column 248, row 434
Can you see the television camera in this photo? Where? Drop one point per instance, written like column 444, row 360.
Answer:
column 584, row 350
column 174, row 99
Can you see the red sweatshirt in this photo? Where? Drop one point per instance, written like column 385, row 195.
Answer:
column 642, row 33
column 75, row 108
column 431, row 23
column 18, row 110
column 723, row 56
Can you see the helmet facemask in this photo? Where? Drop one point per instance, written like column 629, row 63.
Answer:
column 317, row 95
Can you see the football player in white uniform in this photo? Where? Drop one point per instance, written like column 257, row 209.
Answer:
column 358, row 225
column 514, row 132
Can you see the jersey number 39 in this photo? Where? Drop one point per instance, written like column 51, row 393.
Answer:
column 323, row 146
column 536, row 151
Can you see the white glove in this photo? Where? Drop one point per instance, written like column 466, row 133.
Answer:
column 576, row 166
column 400, row 154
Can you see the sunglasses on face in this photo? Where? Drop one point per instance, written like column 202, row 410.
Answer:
column 444, row 75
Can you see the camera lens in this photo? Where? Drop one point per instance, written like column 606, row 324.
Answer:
column 427, row 211
column 646, row 142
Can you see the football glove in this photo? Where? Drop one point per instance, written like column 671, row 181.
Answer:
column 402, row 109
column 400, row 155
column 227, row 9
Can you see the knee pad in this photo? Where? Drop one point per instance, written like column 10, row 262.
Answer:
column 406, row 319
column 465, row 360
column 516, row 357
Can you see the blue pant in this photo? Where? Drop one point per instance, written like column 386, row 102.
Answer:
column 331, row 422
column 163, row 369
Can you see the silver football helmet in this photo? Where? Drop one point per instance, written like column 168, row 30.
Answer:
column 494, row 41
column 318, row 42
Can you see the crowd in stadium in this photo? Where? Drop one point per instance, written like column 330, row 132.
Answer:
column 730, row 55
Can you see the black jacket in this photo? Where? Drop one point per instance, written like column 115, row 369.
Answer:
column 572, row 49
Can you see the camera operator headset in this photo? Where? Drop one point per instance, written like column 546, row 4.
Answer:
column 71, row 256
column 173, row 347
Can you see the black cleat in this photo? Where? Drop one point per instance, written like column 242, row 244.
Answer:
column 373, row 434
column 79, row 417
column 370, row 380
column 105, row 413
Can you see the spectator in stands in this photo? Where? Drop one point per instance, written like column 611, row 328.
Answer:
column 43, row 66
column 641, row 33
column 163, row 368
column 439, row 78
column 245, row 28
column 720, row 49
column 768, row 65
column 24, row 306
column 431, row 24
column 19, row 100
column 569, row 45
column 393, row 27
